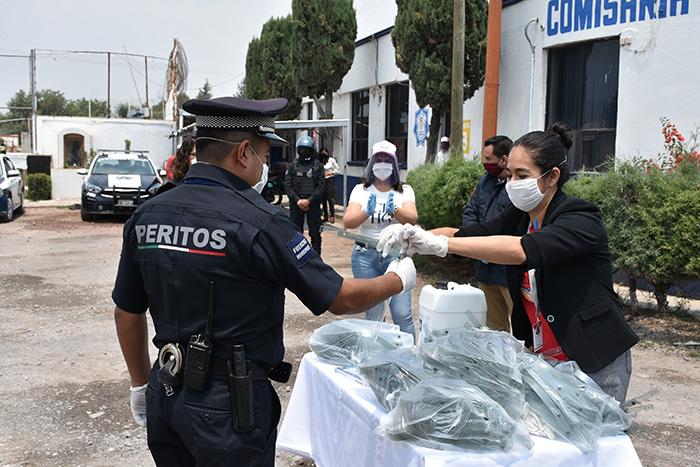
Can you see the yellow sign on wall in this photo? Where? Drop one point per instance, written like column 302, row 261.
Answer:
column 467, row 137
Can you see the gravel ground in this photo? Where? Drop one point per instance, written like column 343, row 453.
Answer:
column 64, row 386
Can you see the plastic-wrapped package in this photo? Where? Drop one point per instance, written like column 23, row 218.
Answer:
column 615, row 419
column 349, row 341
column 569, row 408
column 487, row 359
column 445, row 413
column 392, row 373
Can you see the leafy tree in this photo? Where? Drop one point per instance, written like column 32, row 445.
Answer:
column 253, row 83
column 270, row 68
column 205, row 91
column 422, row 38
column 652, row 217
column 323, row 48
column 86, row 107
column 157, row 109
column 122, row 110
column 241, row 91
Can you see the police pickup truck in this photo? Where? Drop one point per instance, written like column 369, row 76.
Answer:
column 117, row 182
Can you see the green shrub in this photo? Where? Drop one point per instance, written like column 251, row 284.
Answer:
column 652, row 217
column 39, row 186
column 443, row 192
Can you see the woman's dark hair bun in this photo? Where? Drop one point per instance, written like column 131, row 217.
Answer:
column 565, row 133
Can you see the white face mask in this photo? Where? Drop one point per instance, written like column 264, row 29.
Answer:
column 525, row 194
column 263, row 176
column 193, row 161
column 382, row 170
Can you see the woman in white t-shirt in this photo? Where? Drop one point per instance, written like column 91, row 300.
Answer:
column 381, row 200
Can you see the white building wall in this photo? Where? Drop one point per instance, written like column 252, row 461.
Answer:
column 473, row 112
column 373, row 68
column 99, row 133
column 659, row 66
column 102, row 133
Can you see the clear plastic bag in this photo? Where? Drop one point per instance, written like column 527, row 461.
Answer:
column 569, row 408
column 447, row 413
column 615, row 419
column 347, row 342
column 487, row 359
column 392, row 373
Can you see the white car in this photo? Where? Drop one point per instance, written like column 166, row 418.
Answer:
column 11, row 190
column 117, row 182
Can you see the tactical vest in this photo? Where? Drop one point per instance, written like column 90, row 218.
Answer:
column 303, row 178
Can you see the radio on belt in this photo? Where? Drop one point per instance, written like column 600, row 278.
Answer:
column 199, row 352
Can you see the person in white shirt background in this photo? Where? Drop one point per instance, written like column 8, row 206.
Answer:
column 330, row 169
column 444, row 153
column 379, row 201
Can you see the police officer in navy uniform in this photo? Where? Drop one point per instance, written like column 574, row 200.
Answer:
column 210, row 260
column 305, row 183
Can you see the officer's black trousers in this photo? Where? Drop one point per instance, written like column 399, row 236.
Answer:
column 313, row 219
column 193, row 428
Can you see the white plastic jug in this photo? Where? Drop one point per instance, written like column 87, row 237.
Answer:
column 447, row 307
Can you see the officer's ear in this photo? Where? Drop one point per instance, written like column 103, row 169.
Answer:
column 240, row 153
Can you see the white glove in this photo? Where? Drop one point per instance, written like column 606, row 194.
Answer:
column 138, row 404
column 424, row 243
column 391, row 237
column 405, row 269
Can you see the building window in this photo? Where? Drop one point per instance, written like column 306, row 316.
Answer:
column 360, row 125
column 582, row 92
column 397, row 118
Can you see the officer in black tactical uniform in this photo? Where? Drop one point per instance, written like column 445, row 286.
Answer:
column 210, row 259
column 305, row 184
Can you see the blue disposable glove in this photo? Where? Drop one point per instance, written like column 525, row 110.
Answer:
column 390, row 207
column 371, row 205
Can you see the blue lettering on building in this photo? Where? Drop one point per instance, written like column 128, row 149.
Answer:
column 628, row 9
column 610, row 15
column 564, row 16
column 583, row 18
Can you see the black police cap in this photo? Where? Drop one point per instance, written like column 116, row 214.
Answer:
column 238, row 114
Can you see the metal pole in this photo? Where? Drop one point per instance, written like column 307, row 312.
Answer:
column 109, row 84
column 148, row 102
column 32, row 85
column 456, row 110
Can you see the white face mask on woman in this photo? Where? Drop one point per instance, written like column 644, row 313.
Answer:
column 525, row 194
column 382, row 170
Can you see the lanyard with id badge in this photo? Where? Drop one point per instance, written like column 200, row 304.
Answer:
column 543, row 339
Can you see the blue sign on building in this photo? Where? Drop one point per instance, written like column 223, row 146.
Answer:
column 421, row 126
column 564, row 16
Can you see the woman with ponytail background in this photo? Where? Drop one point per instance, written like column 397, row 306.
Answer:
column 558, row 267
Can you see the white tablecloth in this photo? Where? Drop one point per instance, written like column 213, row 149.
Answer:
column 333, row 418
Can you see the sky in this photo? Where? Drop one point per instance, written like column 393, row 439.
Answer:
column 214, row 33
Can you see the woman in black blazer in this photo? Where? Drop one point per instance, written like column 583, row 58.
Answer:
column 559, row 270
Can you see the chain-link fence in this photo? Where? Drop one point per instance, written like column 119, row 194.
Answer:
column 80, row 83
column 14, row 76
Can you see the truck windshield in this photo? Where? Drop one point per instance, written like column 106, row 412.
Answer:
column 108, row 166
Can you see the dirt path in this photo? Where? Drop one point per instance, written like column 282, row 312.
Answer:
column 64, row 386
